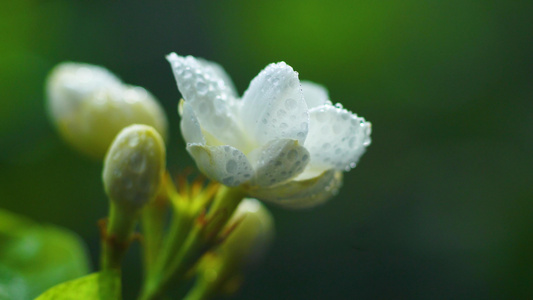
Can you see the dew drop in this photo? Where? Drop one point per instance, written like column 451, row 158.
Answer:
column 292, row 154
column 201, row 87
column 231, row 166
column 338, row 105
column 281, row 113
column 325, row 146
column 265, row 121
column 137, row 162
column 133, row 141
column 290, row 104
column 349, row 167
column 345, row 116
column 283, row 126
column 187, row 74
column 305, row 157
column 228, row 180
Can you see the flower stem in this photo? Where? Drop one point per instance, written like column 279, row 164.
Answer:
column 202, row 236
column 117, row 237
column 200, row 291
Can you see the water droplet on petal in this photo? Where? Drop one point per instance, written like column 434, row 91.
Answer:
column 292, row 154
column 231, row 166
column 290, row 104
column 201, row 87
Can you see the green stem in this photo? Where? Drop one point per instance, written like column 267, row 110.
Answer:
column 200, row 291
column 117, row 237
column 202, row 237
column 153, row 224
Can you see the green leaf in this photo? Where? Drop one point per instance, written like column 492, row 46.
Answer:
column 97, row 286
column 12, row 285
column 35, row 257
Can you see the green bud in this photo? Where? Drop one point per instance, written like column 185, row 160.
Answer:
column 253, row 233
column 89, row 106
column 134, row 166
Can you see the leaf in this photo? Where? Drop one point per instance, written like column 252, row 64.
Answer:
column 97, row 286
column 35, row 257
column 12, row 285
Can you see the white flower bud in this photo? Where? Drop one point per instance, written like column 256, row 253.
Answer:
column 89, row 106
column 134, row 166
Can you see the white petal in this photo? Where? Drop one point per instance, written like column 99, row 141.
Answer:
column 278, row 161
column 314, row 94
column 302, row 194
column 190, row 128
column 224, row 164
column 219, row 71
column 274, row 107
column 337, row 138
column 210, row 98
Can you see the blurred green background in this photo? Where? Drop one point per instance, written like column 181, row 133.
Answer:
column 440, row 206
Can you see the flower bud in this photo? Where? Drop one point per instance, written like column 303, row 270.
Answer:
column 252, row 235
column 251, row 231
column 134, row 166
column 89, row 106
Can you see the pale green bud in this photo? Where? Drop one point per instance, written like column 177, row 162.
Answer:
column 253, row 233
column 134, row 166
column 89, row 106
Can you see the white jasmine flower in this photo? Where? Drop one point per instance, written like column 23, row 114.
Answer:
column 283, row 141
